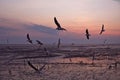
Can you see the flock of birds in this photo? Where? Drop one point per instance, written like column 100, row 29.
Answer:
column 102, row 30
column 59, row 28
column 87, row 33
column 63, row 29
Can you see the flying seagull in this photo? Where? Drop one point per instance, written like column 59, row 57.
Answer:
column 102, row 30
column 58, row 42
column 29, row 40
column 87, row 34
column 58, row 25
column 39, row 42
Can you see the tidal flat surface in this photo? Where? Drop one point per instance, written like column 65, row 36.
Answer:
column 69, row 62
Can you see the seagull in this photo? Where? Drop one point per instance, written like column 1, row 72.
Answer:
column 29, row 40
column 58, row 42
column 58, row 25
column 39, row 42
column 87, row 34
column 102, row 29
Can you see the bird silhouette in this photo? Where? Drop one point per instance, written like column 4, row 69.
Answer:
column 39, row 42
column 102, row 30
column 58, row 43
column 28, row 39
column 58, row 25
column 87, row 34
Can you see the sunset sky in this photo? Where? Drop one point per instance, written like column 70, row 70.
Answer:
column 19, row 17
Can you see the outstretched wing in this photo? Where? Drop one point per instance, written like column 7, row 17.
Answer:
column 102, row 26
column 87, row 36
column 101, row 32
column 87, row 31
column 32, row 66
column 39, row 42
column 56, row 22
column 63, row 29
column 102, row 29
column 28, row 37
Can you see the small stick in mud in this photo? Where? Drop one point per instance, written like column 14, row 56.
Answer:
column 109, row 67
column 70, row 59
column 10, row 72
column 93, row 58
column 59, row 43
column 46, row 51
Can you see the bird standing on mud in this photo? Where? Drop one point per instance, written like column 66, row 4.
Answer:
column 102, row 30
column 87, row 34
column 28, row 39
column 58, row 25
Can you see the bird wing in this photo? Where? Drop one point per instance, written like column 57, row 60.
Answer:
column 32, row 66
column 87, row 31
column 39, row 42
column 28, row 37
column 101, row 32
column 102, row 27
column 87, row 36
column 56, row 22
column 63, row 29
